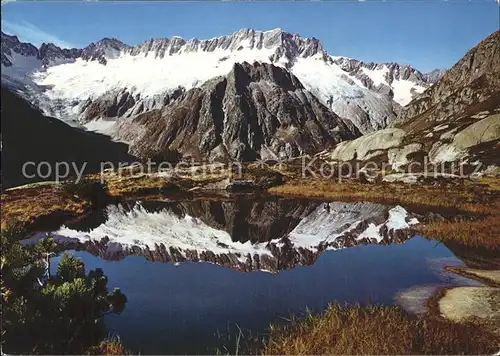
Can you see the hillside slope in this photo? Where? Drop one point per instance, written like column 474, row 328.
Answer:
column 124, row 81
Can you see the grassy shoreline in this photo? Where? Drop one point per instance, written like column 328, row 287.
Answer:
column 25, row 209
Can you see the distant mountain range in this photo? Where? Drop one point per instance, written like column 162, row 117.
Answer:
column 124, row 80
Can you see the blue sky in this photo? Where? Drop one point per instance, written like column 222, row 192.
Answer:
column 426, row 34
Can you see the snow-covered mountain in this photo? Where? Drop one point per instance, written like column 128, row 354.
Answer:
column 64, row 82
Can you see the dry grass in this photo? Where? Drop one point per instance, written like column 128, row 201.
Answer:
column 465, row 198
column 469, row 197
column 135, row 185
column 377, row 330
column 24, row 207
column 477, row 233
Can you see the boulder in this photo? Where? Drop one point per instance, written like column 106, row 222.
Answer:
column 360, row 148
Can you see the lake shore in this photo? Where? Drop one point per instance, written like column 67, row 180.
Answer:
column 474, row 204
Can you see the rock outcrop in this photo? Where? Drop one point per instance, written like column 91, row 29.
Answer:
column 360, row 148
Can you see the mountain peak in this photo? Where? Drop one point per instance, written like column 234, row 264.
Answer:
column 112, row 42
column 13, row 38
column 11, row 44
column 103, row 50
column 244, row 73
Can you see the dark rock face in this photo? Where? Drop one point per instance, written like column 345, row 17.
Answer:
column 471, row 81
column 12, row 44
column 122, row 103
column 110, row 104
column 256, row 111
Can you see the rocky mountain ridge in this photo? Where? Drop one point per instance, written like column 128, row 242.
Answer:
column 473, row 79
column 107, row 68
column 28, row 136
column 11, row 45
column 241, row 233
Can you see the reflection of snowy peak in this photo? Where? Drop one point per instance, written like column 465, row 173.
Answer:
column 17, row 58
column 68, row 81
